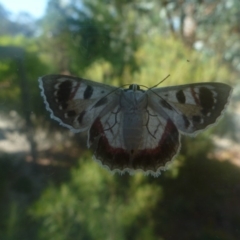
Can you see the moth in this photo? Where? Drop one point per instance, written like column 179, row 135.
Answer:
column 133, row 129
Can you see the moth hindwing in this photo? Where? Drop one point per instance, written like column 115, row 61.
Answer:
column 132, row 129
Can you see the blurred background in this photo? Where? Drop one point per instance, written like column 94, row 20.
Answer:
column 50, row 188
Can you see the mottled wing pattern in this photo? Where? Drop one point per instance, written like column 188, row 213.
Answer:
column 191, row 107
column 75, row 102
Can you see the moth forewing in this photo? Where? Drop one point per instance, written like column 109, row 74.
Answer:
column 70, row 100
column 194, row 107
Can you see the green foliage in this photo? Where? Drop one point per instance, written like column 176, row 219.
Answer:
column 14, row 77
column 157, row 57
column 94, row 204
column 15, row 192
column 90, row 31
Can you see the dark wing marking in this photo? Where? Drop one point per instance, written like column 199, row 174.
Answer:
column 191, row 107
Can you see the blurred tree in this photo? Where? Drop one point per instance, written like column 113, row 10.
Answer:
column 10, row 74
column 95, row 205
column 82, row 32
column 23, row 24
column 211, row 27
column 93, row 30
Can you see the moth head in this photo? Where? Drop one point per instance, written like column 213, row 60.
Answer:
column 134, row 87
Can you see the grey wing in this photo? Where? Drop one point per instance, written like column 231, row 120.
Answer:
column 191, row 107
column 75, row 102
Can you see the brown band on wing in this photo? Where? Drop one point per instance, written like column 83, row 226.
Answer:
column 75, row 90
column 194, row 95
column 167, row 148
column 146, row 159
column 114, row 158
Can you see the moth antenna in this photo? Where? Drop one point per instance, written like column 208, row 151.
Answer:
column 152, row 90
column 149, row 88
column 160, row 82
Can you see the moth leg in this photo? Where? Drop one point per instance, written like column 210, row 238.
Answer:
column 146, row 125
column 115, row 113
